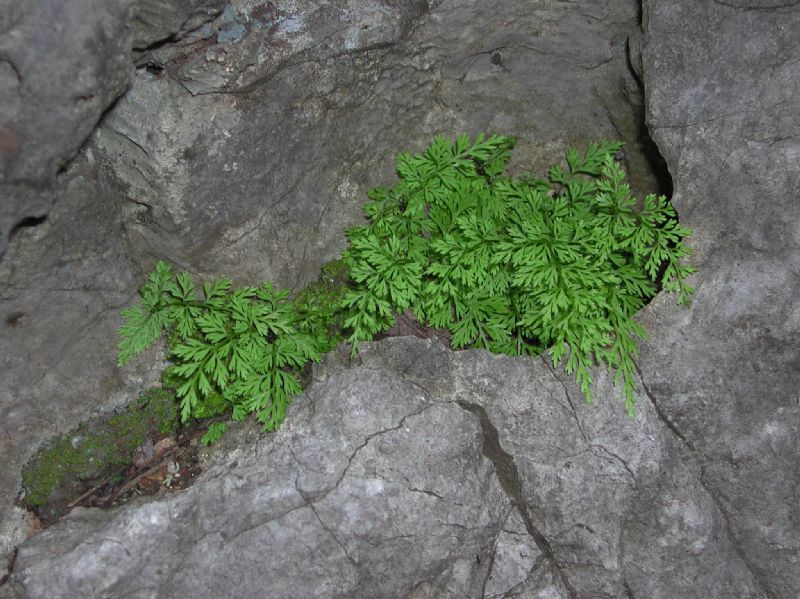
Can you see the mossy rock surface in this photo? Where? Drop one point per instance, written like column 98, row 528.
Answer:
column 68, row 465
column 324, row 295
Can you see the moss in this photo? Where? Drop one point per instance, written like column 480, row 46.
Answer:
column 58, row 461
column 161, row 408
column 69, row 464
column 212, row 405
column 317, row 304
column 334, row 272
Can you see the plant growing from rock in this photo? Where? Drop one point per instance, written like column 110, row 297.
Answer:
column 242, row 348
column 516, row 266
column 69, row 464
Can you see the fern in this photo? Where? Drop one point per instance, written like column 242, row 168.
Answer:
column 244, row 346
column 516, row 265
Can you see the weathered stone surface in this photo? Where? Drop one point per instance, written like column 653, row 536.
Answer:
column 339, row 497
column 155, row 21
column 61, row 65
column 63, row 283
column 727, row 373
column 256, row 183
column 418, row 472
column 252, row 150
column 254, row 170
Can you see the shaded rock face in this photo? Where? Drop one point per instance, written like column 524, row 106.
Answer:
column 66, row 275
column 153, row 22
column 245, row 146
column 62, row 64
column 249, row 146
column 727, row 373
column 55, row 82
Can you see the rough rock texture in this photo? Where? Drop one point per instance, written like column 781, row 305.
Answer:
column 55, row 82
column 63, row 284
column 62, row 64
column 64, row 279
column 418, row 472
column 245, row 147
column 727, row 373
column 248, row 147
column 156, row 21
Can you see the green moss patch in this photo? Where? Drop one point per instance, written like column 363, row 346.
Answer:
column 96, row 451
column 318, row 305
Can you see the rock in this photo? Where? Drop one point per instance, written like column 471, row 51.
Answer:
column 155, row 21
column 727, row 372
column 419, row 472
column 253, row 147
column 61, row 65
column 63, row 284
column 245, row 149
column 263, row 185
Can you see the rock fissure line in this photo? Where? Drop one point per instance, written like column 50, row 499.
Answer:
column 493, row 552
column 426, row 393
column 138, row 145
column 211, row 15
column 572, row 409
column 414, row 489
column 628, row 592
column 659, row 412
column 372, row 436
column 284, row 197
column 710, row 119
column 309, row 496
column 327, row 529
column 5, row 59
column 139, row 202
column 507, row 474
column 748, row 8
column 272, row 518
column 616, row 458
column 306, row 498
column 575, row 64
column 732, row 537
column 675, row 431
column 110, row 540
column 293, row 60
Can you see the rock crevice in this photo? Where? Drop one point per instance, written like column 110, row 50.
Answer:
column 507, row 474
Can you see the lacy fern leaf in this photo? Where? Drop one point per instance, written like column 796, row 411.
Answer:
column 516, row 265
column 244, row 346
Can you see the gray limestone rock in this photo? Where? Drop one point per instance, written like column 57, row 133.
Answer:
column 727, row 373
column 63, row 284
column 61, row 65
column 252, row 149
column 342, row 502
column 416, row 472
column 156, row 21
column 245, row 147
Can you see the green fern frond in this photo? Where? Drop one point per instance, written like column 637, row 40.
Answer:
column 515, row 266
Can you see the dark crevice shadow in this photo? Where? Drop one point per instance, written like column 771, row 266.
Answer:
column 27, row 223
column 658, row 166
